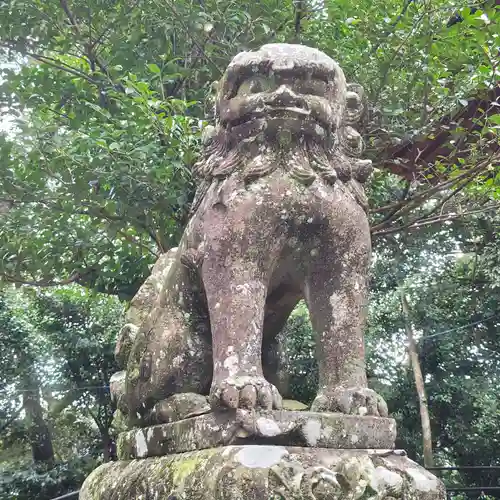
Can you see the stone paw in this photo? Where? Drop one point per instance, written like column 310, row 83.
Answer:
column 245, row 391
column 352, row 401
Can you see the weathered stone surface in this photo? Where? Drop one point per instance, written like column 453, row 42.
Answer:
column 279, row 215
column 265, row 473
column 292, row 404
column 141, row 305
column 291, row 428
column 178, row 407
column 117, row 385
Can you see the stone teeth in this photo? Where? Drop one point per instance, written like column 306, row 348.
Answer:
column 293, row 109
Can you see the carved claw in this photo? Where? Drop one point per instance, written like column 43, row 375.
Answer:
column 245, row 392
column 353, row 401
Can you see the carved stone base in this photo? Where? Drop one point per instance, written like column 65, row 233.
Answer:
column 290, row 428
column 260, row 472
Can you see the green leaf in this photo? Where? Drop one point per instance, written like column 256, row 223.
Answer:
column 154, row 68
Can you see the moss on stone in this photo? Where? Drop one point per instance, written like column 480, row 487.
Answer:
column 190, row 466
column 291, row 404
column 122, row 446
column 262, row 473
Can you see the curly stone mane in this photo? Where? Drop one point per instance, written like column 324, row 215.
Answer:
column 243, row 141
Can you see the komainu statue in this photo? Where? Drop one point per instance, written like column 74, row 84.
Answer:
column 279, row 216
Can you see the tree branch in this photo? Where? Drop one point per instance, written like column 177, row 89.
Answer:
column 89, row 47
column 193, row 39
column 395, row 210
column 55, row 63
column 415, row 224
column 47, row 282
column 406, row 4
column 103, row 214
column 134, row 241
column 402, row 207
column 299, row 14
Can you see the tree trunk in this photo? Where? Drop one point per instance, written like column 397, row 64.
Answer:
column 39, row 433
column 107, row 446
column 419, row 385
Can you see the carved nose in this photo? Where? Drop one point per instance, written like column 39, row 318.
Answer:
column 286, row 96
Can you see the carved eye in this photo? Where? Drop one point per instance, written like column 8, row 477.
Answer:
column 254, row 85
column 311, row 87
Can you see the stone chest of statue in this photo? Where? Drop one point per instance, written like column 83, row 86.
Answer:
column 279, row 216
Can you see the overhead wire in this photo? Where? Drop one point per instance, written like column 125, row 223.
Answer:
column 64, row 389
column 445, row 332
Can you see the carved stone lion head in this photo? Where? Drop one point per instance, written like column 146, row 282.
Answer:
column 286, row 106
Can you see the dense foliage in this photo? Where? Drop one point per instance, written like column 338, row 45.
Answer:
column 107, row 99
column 103, row 105
column 56, row 359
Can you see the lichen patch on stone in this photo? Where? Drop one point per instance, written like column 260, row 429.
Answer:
column 260, row 456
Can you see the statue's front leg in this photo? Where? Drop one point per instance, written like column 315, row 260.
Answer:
column 236, row 288
column 336, row 294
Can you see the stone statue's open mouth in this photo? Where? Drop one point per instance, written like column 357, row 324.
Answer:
column 270, row 112
column 289, row 109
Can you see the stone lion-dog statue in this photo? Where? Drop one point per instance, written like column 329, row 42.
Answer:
column 279, row 215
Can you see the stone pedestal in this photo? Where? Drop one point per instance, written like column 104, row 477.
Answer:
column 277, row 427
column 265, row 472
column 263, row 455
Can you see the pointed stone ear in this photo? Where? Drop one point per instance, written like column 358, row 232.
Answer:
column 355, row 104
